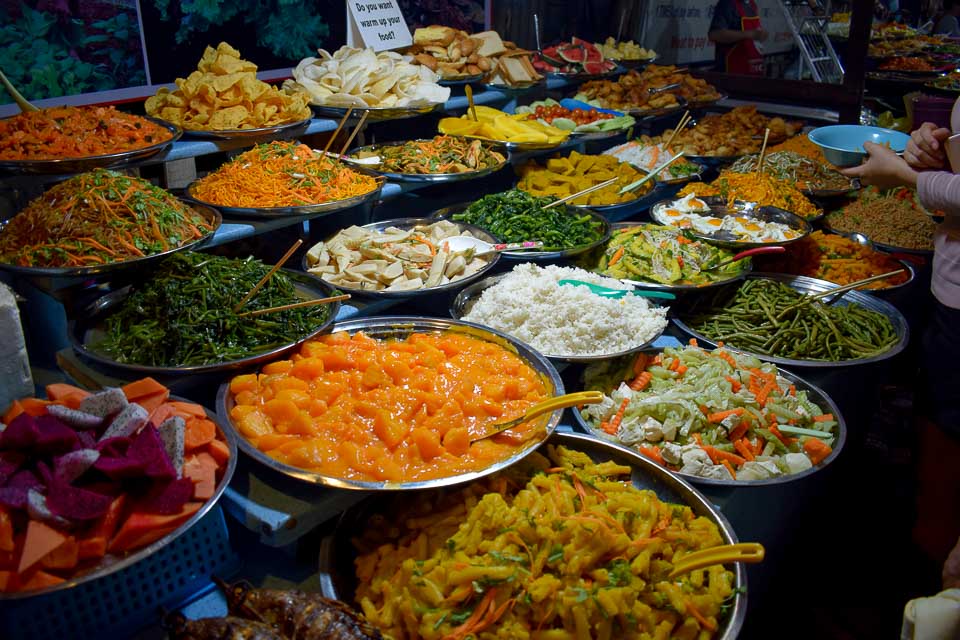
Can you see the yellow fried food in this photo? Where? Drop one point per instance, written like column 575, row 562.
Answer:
column 551, row 548
column 493, row 124
column 225, row 94
column 576, row 172
column 763, row 189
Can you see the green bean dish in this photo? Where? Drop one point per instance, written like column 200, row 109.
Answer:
column 770, row 318
column 184, row 315
column 517, row 216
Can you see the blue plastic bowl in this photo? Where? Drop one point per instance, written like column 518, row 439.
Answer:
column 842, row 144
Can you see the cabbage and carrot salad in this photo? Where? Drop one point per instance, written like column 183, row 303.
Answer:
column 98, row 218
column 558, row 547
column 714, row 414
column 281, row 174
column 76, row 132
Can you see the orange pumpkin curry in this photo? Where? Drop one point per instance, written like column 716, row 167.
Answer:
column 388, row 410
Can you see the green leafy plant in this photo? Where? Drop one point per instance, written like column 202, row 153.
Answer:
column 288, row 28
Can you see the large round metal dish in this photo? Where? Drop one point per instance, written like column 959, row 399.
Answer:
column 638, row 64
column 706, row 102
column 108, row 160
column 312, row 210
column 514, row 90
column 87, row 328
column 105, row 569
column 680, row 288
column 879, row 245
column 808, row 286
column 409, row 223
column 831, row 193
column 465, row 300
column 399, row 327
column 596, row 136
column 582, row 76
column 377, row 113
column 814, row 393
column 447, row 213
column 718, row 208
column 337, row 553
column 656, row 113
column 288, row 128
column 434, row 178
column 101, row 271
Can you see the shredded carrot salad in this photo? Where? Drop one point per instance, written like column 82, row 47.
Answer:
column 281, row 174
column 75, row 132
column 98, row 218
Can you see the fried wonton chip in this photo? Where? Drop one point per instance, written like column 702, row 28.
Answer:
column 224, row 94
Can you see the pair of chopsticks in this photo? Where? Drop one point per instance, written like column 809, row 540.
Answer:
column 684, row 121
column 266, row 278
column 353, row 134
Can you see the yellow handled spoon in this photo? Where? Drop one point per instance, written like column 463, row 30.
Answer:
column 749, row 552
column 548, row 405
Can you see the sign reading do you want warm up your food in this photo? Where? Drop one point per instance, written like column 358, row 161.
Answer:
column 377, row 24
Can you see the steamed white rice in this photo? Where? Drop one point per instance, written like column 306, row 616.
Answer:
column 530, row 305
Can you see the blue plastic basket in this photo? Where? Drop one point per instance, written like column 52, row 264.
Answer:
column 120, row 604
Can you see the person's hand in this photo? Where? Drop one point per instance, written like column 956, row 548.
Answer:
column 951, row 569
column 883, row 168
column 758, row 34
column 925, row 149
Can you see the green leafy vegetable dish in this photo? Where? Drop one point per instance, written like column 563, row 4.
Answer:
column 517, row 216
column 712, row 414
column 184, row 315
column 663, row 255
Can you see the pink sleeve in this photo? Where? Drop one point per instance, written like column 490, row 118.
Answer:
column 939, row 190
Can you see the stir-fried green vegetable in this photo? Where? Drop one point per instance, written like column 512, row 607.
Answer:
column 443, row 154
column 184, row 315
column 714, row 414
column 663, row 254
column 517, row 216
column 771, row 318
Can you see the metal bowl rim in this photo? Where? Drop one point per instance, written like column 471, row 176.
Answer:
column 469, row 292
column 403, row 295
column 896, row 318
column 231, row 134
column 156, row 546
column 77, row 342
column 819, row 398
column 427, row 177
column 530, row 356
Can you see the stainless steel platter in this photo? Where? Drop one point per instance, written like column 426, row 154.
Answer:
column 118, row 564
column 679, row 288
column 109, row 160
column 718, row 208
column 658, row 112
column 522, row 146
column 434, row 178
column 814, row 393
column 514, row 90
column 337, row 552
column 103, row 271
column 701, row 169
column 311, row 210
column 465, row 300
column 638, row 64
column 447, row 213
column 459, row 81
column 409, row 223
column 398, row 327
column 87, row 329
column 809, row 286
column 377, row 113
column 288, row 128
column 708, row 102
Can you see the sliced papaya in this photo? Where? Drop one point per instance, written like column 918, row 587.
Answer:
column 66, row 556
column 38, row 580
column 143, row 388
column 41, row 539
column 140, row 529
column 6, row 531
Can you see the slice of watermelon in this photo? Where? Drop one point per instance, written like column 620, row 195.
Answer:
column 608, row 65
column 572, row 54
column 552, row 56
column 595, row 68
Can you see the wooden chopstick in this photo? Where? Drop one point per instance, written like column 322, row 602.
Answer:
column 684, row 121
column 353, row 134
column 763, row 150
column 294, row 305
column 264, row 279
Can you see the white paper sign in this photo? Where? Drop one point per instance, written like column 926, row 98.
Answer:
column 377, row 24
